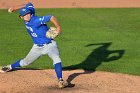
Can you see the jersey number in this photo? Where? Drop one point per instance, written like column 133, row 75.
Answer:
column 32, row 32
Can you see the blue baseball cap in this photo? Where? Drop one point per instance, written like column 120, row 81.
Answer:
column 23, row 11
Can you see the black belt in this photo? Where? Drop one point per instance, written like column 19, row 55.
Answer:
column 41, row 45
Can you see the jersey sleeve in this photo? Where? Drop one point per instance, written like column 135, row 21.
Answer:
column 43, row 20
column 31, row 7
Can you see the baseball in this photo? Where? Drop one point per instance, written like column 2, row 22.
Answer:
column 10, row 10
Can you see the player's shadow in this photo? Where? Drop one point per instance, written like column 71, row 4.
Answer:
column 94, row 59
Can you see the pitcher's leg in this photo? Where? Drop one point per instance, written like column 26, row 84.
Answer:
column 31, row 57
column 57, row 64
column 53, row 53
column 58, row 69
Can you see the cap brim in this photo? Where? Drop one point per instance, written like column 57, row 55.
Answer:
column 25, row 13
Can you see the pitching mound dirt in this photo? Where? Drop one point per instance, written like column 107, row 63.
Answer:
column 44, row 81
column 73, row 3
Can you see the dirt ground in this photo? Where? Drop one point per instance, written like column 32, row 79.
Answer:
column 45, row 81
column 73, row 3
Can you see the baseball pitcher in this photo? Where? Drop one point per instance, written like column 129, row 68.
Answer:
column 42, row 37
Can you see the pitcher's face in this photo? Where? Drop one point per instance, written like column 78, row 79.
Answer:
column 26, row 17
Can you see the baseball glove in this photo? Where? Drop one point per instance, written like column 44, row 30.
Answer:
column 52, row 33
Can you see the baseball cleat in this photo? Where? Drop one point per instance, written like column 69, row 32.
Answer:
column 5, row 69
column 62, row 83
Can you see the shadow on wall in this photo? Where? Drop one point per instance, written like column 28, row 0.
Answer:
column 94, row 59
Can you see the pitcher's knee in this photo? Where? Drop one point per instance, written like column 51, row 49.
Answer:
column 25, row 62
column 56, row 60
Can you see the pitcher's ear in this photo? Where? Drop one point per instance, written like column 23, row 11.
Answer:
column 20, row 17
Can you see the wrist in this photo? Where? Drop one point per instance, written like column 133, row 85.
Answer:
column 58, row 30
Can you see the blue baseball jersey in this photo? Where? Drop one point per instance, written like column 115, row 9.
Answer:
column 37, row 26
